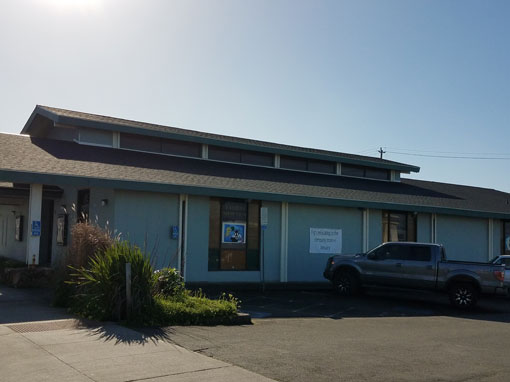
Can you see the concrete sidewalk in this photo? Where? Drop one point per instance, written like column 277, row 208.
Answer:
column 71, row 350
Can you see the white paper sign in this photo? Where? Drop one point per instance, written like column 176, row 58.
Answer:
column 325, row 240
column 263, row 217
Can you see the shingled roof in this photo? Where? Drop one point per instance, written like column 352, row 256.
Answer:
column 77, row 118
column 37, row 160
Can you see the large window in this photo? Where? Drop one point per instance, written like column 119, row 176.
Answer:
column 240, row 156
column 312, row 165
column 365, row 172
column 234, row 235
column 160, row 145
column 398, row 226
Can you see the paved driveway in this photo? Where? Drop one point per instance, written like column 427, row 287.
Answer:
column 382, row 336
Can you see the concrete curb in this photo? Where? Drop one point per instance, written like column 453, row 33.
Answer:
column 243, row 319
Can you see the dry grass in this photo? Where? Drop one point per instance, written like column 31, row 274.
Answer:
column 86, row 240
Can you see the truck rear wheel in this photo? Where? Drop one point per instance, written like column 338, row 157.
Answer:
column 463, row 295
column 346, row 283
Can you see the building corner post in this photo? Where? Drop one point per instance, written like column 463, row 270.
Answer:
column 34, row 224
column 366, row 230
column 284, row 235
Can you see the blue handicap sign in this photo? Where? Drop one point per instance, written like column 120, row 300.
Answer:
column 175, row 232
column 36, row 228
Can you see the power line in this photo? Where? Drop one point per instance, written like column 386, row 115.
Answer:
column 451, row 156
column 445, row 152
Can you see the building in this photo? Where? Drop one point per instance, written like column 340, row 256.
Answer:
column 194, row 200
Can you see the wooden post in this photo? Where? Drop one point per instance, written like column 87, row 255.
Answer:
column 129, row 301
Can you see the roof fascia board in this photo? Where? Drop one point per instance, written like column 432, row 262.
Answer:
column 38, row 111
column 58, row 180
column 66, row 120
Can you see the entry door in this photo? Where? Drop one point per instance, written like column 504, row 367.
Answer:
column 45, row 246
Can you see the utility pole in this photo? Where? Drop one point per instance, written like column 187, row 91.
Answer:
column 381, row 151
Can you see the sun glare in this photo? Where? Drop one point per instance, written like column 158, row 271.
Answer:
column 74, row 5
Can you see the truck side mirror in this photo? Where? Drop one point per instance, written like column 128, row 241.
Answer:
column 372, row 256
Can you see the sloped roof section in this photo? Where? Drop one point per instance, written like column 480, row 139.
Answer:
column 76, row 118
column 37, row 160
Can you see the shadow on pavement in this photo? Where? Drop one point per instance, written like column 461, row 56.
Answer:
column 120, row 334
column 30, row 310
column 372, row 303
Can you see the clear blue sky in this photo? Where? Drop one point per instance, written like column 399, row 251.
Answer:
column 347, row 76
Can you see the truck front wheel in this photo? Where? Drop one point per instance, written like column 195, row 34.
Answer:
column 346, row 283
column 463, row 295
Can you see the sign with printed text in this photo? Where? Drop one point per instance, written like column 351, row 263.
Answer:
column 36, row 228
column 325, row 240
column 174, row 232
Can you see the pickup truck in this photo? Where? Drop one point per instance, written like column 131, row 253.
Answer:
column 417, row 266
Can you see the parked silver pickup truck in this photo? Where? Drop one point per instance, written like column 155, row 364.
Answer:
column 418, row 266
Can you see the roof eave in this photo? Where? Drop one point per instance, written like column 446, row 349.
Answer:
column 59, row 179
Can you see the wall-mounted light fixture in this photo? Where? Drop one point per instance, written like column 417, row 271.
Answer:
column 104, row 202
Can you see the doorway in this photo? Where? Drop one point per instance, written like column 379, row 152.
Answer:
column 45, row 243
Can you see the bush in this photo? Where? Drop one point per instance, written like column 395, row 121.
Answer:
column 194, row 309
column 101, row 286
column 169, row 282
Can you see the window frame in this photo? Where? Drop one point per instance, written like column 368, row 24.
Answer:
column 247, row 242
column 410, row 236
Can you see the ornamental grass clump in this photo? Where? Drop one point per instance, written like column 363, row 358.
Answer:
column 101, row 285
column 87, row 239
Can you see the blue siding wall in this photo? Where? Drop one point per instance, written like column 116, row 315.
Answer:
column 145, row 219
column 102, row 215
column 463, row 238
column 197, row 238
column 375, row 228
column 305, row 266
column 272, row 242
column 424, row 225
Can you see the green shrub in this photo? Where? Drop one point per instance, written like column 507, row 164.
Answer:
column 101, row 286
column 169, row 282
column 194, row 309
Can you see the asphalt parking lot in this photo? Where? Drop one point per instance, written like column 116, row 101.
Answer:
column 379, row 336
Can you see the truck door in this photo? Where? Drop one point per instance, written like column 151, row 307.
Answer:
column 419, row 268
column 384, row 265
